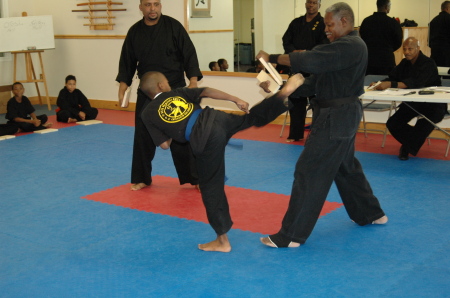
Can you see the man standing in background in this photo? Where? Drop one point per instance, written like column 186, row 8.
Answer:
column 439, row 38
column 157, row 43
column 383, row 36
column 303, row 34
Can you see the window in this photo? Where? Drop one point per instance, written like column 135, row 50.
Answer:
column 4, row 14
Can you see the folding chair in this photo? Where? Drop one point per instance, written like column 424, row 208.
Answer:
column 286, row 122
column 376, row 107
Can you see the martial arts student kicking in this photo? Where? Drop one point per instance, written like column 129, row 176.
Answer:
column 177, row 114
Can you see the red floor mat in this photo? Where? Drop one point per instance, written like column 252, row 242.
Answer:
column 251, row 210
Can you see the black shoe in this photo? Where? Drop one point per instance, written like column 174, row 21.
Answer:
column 403, row 154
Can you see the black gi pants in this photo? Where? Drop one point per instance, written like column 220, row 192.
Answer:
column 144, row 151
column 211, row 161
column 413, row 137
column 8, row 129
column 64, row 115
column 329, row 155
column 297, row 118
column 27, row 127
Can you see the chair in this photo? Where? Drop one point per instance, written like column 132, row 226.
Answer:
column 286, row 122
column 376, row 107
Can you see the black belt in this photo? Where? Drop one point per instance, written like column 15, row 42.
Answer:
column 332, row 103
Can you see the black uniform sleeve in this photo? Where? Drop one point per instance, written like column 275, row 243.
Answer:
column 11, row 110
column 82, row 99
column 397, row 35
column 288, row 38
column 128, row 60
column 190, row 60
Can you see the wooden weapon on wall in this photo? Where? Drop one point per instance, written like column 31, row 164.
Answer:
column 93, row 9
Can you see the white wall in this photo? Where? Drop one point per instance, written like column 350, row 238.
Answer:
column 213, row 46
column 95, row 61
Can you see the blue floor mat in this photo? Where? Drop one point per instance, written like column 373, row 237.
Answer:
column 54, row 244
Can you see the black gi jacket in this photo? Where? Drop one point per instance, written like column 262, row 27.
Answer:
column 73, row 102
column 15, row 109
column 164, row 47
column 423, row 73
column 302, row 35
column 383, row 36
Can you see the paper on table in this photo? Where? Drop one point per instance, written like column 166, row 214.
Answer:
column 263, row 76
column 440, row 88
column 396, row 91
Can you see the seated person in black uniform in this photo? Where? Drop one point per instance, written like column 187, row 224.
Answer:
column 415, row 71
column 177, row 114
column 8, row 129
column 20, row 112
column 73, row 105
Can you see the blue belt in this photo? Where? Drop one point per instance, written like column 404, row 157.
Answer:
column 190, row 124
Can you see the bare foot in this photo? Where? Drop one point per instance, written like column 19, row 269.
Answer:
column 268, row 242
column 71, row 120
column 138, row 186
column 380, row 221
column 220, row 244
column 48, row 125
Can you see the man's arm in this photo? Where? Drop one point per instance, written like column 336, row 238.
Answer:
column 193, row 82
column 220, row 95
column 280, row 59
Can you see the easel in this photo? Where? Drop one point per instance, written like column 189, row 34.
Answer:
column 30, row 73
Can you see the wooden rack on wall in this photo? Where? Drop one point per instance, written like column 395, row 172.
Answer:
column 93, row 17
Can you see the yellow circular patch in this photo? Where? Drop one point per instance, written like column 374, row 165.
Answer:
column 175, row 109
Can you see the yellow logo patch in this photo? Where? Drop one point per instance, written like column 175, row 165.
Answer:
column 175, row 109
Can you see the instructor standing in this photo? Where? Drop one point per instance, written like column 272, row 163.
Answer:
column 157, row 43
column 329, row 155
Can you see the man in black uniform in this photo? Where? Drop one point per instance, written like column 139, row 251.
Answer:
column 158, row 43
column 415, row 71
column 383, row 36
column 439, row 38
column 177, row 115
column 329, row 155
column 303, row 34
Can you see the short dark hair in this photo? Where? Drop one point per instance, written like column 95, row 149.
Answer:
column 211, row 64
column 16, row 83
column 444, row 5
column 382, row 3
column 71, row 77
column 221, row 61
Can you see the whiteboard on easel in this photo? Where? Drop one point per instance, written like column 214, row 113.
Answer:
column 24, row 33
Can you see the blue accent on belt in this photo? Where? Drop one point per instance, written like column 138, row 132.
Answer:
column 191, row 122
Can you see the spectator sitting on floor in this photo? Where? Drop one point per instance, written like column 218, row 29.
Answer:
column 20, row 112
column 73, row 105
